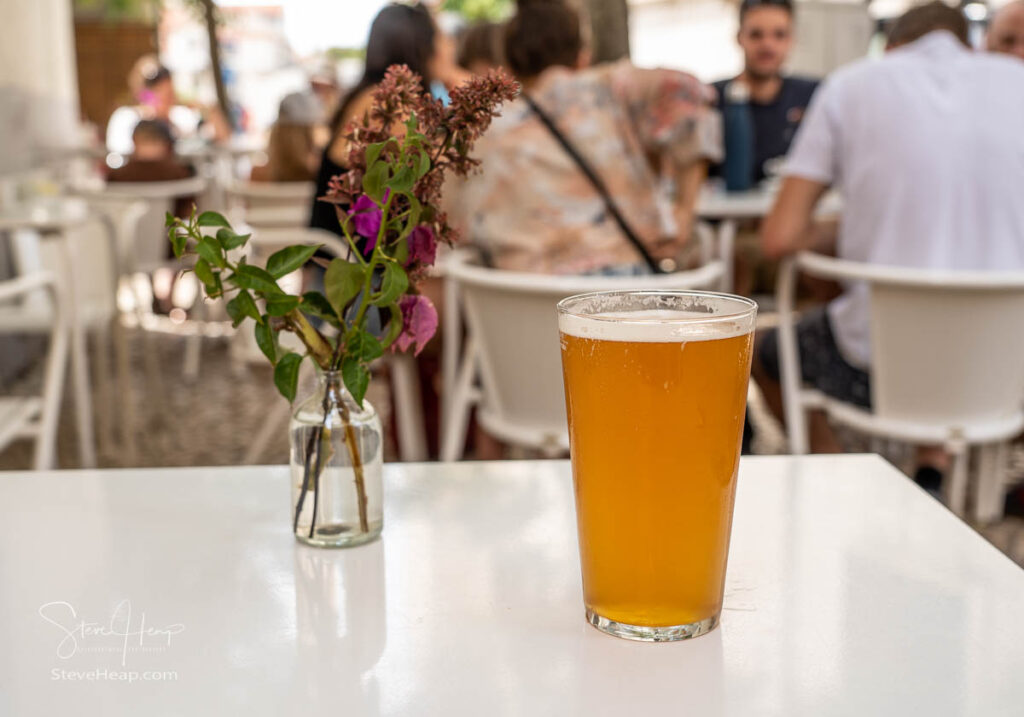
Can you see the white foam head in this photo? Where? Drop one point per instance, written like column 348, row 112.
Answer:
column 662, row 317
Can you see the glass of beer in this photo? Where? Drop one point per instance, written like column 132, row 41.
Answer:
column 655, row 391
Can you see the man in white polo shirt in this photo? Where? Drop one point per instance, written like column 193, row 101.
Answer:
column 926, row 148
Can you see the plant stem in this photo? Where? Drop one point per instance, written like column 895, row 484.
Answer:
column 357, row 465
column 318, row 346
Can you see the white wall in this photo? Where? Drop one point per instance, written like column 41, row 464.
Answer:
column 38, row 82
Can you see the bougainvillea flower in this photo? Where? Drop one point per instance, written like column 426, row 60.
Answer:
column 422, row 246
column 366, row 217
column 419, row 322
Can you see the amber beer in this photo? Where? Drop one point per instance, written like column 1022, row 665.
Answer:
column 655, row 390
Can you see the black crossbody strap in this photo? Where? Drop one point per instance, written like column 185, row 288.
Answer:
column 598, row 183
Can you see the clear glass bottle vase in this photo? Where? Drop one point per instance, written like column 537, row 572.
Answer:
column 336, row 465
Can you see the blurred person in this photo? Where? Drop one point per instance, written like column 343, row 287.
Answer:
column 153, row 160
column 1006, row 31
column 292, row 154
column 482, row 47
column 776, row 102
column 152, row 87
column 399, row 35
column 925, row 146
column 533, row 207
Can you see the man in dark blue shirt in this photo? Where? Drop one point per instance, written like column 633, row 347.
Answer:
column 777, row 103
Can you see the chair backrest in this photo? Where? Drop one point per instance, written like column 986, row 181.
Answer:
column 947, row 348
column 511, row 316
column 56, row 360
column 150, row 245
column 271, row 204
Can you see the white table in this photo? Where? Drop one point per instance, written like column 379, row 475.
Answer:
column 850, row 592
column 56, row 216
column 729, row 208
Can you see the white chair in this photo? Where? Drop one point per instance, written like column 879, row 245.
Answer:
column 511, row 363
column 36, row 417
column 271, row 205
column 405, row 388
column 947, row 366
column 149, row 251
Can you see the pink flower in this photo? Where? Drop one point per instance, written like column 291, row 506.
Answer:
column 419, row 322
column 422, row 246
column 366, row 218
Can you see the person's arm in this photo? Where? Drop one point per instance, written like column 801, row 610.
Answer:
column 789, row 226
column 812, row 165
column 219, row 123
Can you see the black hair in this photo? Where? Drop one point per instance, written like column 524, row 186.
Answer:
column 157, row 130
column 748, row 5
column 482, row 42
column 399, row 35
column 154, row 75
column 919, row 21
column 542, row 34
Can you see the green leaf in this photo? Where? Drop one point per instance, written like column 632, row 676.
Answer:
column 316, row 304
column 373, row 181
column 213, row 219
column 209, row 249
column 229, row 240
column 169, row 220
column 363, row 346
column 289, row 259
column 422, row 164
column 178, row 242
column 393, row 285
column 342, row 283
column 205, row 274
column 286, row 374
column 415, row 210
column 394, row 325
column 373, row 152
column 356, row 378
column 242, row 306
column 402, row 251
column 281, row 304
column 266, row 339
column 256, row 279
column 403, row 180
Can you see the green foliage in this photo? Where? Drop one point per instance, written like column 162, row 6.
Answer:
column 243, row 306
column 393, row 285
column 475, row 10
column 286, row 374
column 266, row 339
column 289, row 259
column 342, row 283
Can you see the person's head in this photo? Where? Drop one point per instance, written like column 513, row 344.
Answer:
column 482, row 47
column 543, row 34
column 399, row 35
column 765, row 36
column 919, row 21
column 300, row 109
column 153, row 140
column 152, row 85
column 1006, row 33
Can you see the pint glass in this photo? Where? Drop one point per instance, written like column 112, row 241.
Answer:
column 655, row 391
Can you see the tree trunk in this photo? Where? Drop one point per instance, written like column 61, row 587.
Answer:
column 210, row 15
column 609, row 22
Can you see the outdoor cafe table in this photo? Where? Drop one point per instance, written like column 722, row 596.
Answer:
column 849, row 592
